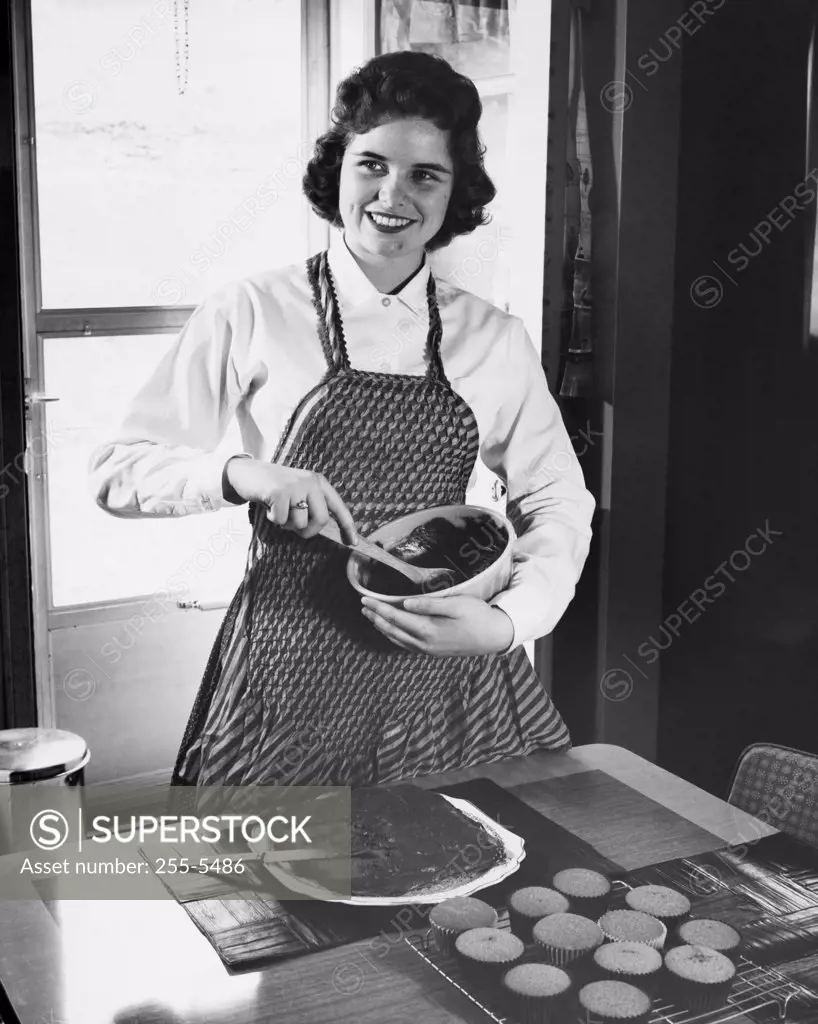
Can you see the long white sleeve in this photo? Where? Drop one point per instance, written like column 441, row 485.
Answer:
column 161, row 461
column 530, row 450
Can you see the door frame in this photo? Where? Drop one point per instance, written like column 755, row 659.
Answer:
column 28, row 242
column 17, row 702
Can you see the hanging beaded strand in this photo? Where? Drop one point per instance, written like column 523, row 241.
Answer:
column 182, row 51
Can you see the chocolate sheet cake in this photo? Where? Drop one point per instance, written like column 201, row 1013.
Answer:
column 465, row 550
column 407, row 841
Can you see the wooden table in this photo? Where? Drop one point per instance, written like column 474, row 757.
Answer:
column 132, row 962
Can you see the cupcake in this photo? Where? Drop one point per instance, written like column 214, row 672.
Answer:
column 698, row 978
column 633, row 926
column 536, row 992
column 588, row 891
column 485, row 954
column 564, row 938
column 527, row 906
column 713, row 934
column 615, row 1002
column 455, row 916
column 665, row 904
column 633, row 962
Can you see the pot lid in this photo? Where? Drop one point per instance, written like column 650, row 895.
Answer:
column 31, row 754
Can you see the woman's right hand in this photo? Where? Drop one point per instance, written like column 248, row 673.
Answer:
column 296, row 499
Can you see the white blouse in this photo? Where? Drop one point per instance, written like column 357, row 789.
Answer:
column 251, row 351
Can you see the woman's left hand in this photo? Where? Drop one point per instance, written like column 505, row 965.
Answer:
column 443, row 626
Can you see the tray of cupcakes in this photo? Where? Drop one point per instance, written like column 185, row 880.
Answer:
column 586, row 948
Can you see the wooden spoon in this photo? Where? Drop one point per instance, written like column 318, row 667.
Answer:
column 428, row 579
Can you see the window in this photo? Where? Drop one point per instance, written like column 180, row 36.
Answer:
column 94, row 557
column 158, row 181
column 492, row 42
column 171, row 139
column 474, row 38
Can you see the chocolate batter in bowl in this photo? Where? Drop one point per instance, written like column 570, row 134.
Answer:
column 474, row 543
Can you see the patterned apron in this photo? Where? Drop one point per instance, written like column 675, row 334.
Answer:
column 300, row 688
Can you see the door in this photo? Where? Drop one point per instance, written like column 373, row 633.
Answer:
column 151, row 175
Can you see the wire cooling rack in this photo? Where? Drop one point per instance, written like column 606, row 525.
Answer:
column 756, row 990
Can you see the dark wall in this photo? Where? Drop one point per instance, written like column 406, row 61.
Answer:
column 633, row 125
column 16, row 657
column 743, row 445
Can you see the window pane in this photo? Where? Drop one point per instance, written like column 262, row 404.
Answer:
column 95, row 557
column 148, row 197
column 475, row 39
column 480, row 262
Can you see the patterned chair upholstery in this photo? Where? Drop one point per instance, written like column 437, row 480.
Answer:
column 779, row 785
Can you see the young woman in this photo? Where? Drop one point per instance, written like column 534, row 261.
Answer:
column 306, row 683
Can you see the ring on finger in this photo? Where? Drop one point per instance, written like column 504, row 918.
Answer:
column 303, row 504
column 298, row 518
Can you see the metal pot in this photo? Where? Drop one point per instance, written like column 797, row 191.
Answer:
column 41, row 758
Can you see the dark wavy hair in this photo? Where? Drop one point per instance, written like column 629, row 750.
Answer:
column 406, row 84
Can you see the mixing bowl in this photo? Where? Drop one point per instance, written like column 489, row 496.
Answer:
column 484, row 585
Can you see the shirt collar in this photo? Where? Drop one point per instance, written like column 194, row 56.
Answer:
column 355, row 289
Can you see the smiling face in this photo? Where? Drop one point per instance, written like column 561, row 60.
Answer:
column 394, row 191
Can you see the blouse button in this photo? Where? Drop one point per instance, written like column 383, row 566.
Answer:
column 385, row 301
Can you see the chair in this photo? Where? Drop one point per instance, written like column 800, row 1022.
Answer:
column 779, row 785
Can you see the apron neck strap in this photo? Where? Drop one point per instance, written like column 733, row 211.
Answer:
column 434, row 339
column 331, row 327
